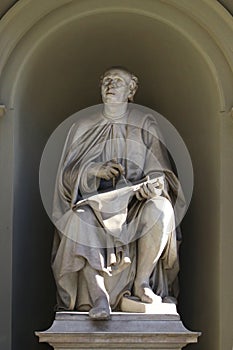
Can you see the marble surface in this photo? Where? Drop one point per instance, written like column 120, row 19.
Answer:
column 75, row 330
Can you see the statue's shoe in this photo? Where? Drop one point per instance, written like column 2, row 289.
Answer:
column 101, row 309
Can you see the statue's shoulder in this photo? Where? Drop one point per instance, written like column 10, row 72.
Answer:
column 86, row 119
column 141, row 116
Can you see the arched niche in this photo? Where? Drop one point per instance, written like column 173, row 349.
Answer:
column 51, row 61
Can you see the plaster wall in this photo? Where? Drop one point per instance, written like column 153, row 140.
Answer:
column 5, row 5
column 60, row 75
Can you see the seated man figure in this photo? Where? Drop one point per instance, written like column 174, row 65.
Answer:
column 113, row 207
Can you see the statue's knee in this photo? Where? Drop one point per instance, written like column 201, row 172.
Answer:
column 166, row 218
column 158, row 211
column 158, row 204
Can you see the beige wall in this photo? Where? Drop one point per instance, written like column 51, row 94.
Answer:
column 51, row 74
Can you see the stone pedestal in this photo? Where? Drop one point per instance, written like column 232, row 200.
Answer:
column 75, row 330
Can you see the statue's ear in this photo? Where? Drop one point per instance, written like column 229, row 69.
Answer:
column 133, row 88
column 133, row 85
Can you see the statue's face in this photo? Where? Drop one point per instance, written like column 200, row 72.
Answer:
column 115, row 86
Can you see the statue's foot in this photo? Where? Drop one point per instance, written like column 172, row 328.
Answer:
column 101, row 309
column 146, row 294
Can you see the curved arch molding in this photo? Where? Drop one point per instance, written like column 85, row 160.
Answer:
column 204, row 23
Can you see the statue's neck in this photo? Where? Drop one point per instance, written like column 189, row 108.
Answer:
column 115, row 110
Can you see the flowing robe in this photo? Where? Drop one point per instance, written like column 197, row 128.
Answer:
column 103, row 229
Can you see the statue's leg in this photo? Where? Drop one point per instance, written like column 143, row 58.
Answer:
column 157, row 223
column 98, row 293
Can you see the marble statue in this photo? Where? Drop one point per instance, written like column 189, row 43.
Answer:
column 116, row 234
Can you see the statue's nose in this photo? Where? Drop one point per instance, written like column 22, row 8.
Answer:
column 112, row 83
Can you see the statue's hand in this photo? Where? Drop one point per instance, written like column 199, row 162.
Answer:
column 147, row 191
column 109, row 170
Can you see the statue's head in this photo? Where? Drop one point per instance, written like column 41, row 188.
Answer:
column 118, row 85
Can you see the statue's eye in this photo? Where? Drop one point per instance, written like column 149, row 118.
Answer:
column 106, row 81
column 119, row 82
column 115, row 81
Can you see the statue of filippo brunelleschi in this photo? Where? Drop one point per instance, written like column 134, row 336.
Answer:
column 116, row 234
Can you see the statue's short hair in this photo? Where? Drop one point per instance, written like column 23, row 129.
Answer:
column 133, row 83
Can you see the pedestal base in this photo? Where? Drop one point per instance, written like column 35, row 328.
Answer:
column 75, row 330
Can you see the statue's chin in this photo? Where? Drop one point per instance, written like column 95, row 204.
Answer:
column 111, row 100
column 114, row 102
